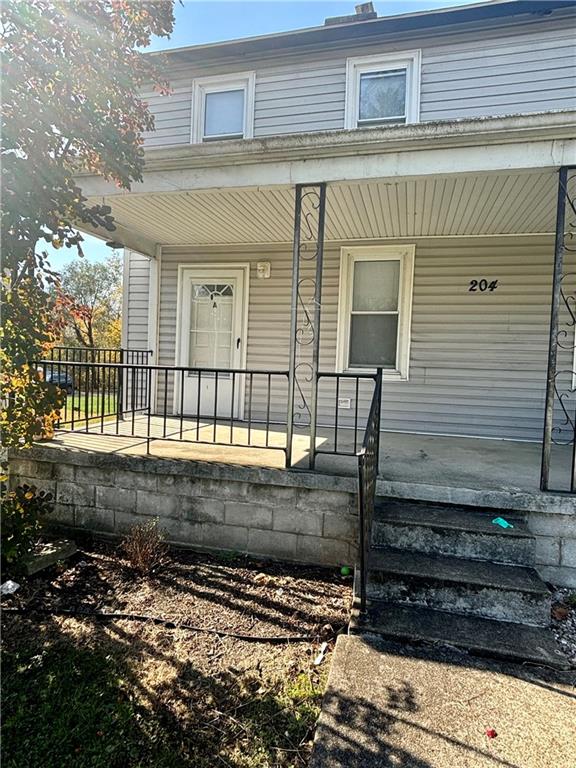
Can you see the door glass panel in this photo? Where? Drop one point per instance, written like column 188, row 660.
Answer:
column 382, row 95
column 211, row 321
column 224, row 113
column 376, row 286
column 373, row 341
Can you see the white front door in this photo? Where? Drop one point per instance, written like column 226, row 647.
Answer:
column 212, row 303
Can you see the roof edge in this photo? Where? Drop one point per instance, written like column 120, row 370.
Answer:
column 467, row 14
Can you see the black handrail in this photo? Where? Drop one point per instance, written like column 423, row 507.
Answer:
column 368, row 457
column 63, row 354
column 352, row 422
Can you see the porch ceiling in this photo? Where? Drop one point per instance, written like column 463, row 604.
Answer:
column 487, row 204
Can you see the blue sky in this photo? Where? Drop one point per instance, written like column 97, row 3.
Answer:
column 198, row 21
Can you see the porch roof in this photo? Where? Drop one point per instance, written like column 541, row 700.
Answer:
column 480, row 177
column 447, row 206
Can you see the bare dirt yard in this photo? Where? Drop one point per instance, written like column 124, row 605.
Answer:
column 116, row 693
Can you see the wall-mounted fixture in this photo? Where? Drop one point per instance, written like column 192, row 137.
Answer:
column 263, row 270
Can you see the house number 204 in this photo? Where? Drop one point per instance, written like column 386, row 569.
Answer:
column 482, row 285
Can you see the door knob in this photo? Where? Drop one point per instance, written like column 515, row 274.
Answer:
column 238, row 343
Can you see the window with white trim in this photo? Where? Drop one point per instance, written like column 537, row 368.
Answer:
column 375, row 307
column 383, row 90
column 223, row 107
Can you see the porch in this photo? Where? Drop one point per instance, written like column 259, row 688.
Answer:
column 464, row 340
column 412, row 465
column 387, row 327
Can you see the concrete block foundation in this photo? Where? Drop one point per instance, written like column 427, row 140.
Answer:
column 296, row 516
column 289, row 515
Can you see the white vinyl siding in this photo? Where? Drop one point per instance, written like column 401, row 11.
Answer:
column 497, row 70
column 171, row 114
column 137, row 294
column 477, row 360
column 300, row 98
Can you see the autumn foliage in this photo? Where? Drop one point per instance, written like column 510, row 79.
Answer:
column 71, row 75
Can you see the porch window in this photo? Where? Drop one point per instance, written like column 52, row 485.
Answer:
column 383, row 90
column 374, row 309
column 223, row 108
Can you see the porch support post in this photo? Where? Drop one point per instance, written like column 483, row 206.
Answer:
column 305, row 313
column 293, row 326
column 558, row 338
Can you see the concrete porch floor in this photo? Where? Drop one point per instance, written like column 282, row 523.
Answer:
column 405, row 459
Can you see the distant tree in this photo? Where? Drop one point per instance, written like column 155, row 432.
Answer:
column 72, row 70
column 94, row 290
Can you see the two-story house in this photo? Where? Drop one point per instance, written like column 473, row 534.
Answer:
column 439, row 136
column 377, row 197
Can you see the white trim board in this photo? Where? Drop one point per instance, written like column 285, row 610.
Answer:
column 434, row 160
column 125, row 297
column 154, row 302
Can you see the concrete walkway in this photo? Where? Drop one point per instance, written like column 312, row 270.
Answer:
column 392, row 706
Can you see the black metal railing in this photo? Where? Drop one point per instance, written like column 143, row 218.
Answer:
column 209, row 406
column 98, row 355
column 558, row 467
column 346, row 396
column 367, row 475
column 241, row 408
column 90, row 383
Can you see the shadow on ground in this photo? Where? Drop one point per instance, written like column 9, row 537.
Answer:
column 99, row 697
column 390, row 705
column 84, row 693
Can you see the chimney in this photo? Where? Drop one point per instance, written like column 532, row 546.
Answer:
column 364, row 12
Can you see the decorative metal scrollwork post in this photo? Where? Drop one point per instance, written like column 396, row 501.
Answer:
column 560, row 411
column 306, row 303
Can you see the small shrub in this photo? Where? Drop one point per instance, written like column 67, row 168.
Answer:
column 23, row 512
column 145, row 547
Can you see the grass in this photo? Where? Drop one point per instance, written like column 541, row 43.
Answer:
column 95, row 404
column 69, row 705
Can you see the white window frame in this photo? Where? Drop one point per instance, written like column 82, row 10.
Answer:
column 355, row 67
column 348, row 257
column 201, row 86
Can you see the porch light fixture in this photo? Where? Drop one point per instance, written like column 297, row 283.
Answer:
column 263, row 270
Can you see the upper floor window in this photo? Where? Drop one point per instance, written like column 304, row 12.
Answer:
column 223, row 107
column 383, row 90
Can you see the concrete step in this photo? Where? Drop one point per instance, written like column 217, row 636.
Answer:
column 487, row 637
column 490, row 590
column 446, row 529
